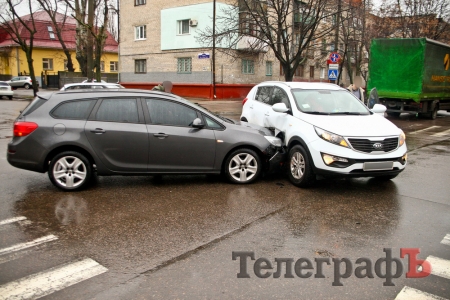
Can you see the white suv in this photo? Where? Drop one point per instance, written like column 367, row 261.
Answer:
column 327, row 131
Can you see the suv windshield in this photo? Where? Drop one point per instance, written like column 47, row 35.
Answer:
column 328, row 102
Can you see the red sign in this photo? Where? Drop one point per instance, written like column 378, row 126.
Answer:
column 335, row 58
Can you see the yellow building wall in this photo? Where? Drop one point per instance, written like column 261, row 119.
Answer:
column 18, row 63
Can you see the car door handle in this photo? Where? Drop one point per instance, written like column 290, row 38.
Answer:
column 98, row 131
column 160, row 135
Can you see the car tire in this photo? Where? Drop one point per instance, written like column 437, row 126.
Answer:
column 433, row 114
column 242, row 166
column 244, row 119
column 26, row 86
column 10, row 97
column 386, row 178
column 70, row 171
column 300, row 168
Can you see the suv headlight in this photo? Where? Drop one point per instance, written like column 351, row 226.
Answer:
column 331, row 137
column 273, row 140
column 402, row 139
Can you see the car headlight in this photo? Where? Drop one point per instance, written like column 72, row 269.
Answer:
column 274, row 140
column 402, row 139
column 331, row 137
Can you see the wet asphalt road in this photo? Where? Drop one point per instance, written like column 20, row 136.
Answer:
column 173, row 237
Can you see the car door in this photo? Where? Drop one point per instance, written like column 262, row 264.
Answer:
column 174, row 145
column 118, row 134
column 274, row 119
column 261, row 105
column 15, row 81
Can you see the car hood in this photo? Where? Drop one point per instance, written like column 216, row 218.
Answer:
column 253, row 127
column 354, row 126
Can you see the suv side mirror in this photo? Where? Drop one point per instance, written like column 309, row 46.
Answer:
column 197, row 123
column 280, row 107
column 378, row 108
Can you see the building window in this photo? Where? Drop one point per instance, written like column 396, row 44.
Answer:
column 322, row 72
column 299, row 71
column 183, row 27
column 47, row 63
column 184, row 65
column 268, row 68
column 248, row 66
column 50, row 32
column 311, row 71
column 140, row 66
column 102, row 66
column 139, row 2
column 281, row 70
column 113, row 66
column 141, row 32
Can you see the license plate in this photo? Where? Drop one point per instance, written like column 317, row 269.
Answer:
column 378, row 166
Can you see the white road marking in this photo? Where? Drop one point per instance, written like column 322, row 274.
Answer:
column 47, row 282
column 446, row 240
column 26, row 245
column 408, row 293
column 425, row 129
column 12, row 220
column 439, row 267
column 443, row 133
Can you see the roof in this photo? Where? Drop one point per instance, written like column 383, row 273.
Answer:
column 42, row 38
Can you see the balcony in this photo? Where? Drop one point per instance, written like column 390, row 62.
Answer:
column 249, row 43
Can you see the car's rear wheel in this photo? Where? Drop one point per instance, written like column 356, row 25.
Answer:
column 300, row 169
column 70, row 171
column 243, row 166
column 10, row 97
column 26, row 86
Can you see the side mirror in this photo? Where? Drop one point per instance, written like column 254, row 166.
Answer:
column 280, row 107
column 378, row 108
column 197, row 123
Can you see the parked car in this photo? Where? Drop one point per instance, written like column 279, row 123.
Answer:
column 21, row 81
column 91, row 85
column 72, row 134
column 327, row 131
column 6, row 90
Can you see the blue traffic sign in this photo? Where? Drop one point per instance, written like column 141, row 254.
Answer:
column 333, row 74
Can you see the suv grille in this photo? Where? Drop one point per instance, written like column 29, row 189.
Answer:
column 368, row 146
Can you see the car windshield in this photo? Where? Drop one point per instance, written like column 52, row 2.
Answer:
column 328, row 102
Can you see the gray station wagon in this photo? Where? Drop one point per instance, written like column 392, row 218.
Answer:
column 76, row 134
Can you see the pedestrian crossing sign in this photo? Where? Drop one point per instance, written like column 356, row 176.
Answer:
column 333, row 74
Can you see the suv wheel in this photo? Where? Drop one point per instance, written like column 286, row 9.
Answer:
column 242, row 166
column 300, row 171
column 70, row 171
column 26, row 86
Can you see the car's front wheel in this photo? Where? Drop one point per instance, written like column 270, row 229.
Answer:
column 70, row 171
column 243, row 166
column 300, row 169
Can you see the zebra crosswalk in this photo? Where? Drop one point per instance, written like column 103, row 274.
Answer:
column 48, row 281
column 439, row 267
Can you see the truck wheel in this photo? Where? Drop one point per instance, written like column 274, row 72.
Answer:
column 433, row 114
column 393, row 114
column 300, row 169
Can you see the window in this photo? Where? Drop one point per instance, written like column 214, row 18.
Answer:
column 75, row 110
column 47, row 63
column 248, row 66
column 50, row 32
column 113, row 66
column 268, row 68
column 141, row 32
column 102, row 66
column 170, row 113
column 279, row 96
column 311, row 71
column 140, row 66
column 263, row 94
column 118, row 110
column 183, row 27
column 139, row 2
column 322, row 72
column 299, row 71
column 212, row 124
column 184, row 65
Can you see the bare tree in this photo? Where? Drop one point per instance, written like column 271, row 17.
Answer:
column 58, row 21
column 287, row 28
column 22, row 31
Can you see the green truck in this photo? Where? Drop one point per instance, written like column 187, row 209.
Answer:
column 410, row 75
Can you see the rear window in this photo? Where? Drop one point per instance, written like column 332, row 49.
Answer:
column 74, row 110
column 35, row 104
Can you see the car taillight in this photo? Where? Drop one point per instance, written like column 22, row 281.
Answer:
column 243, row 101
column 24, row 128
